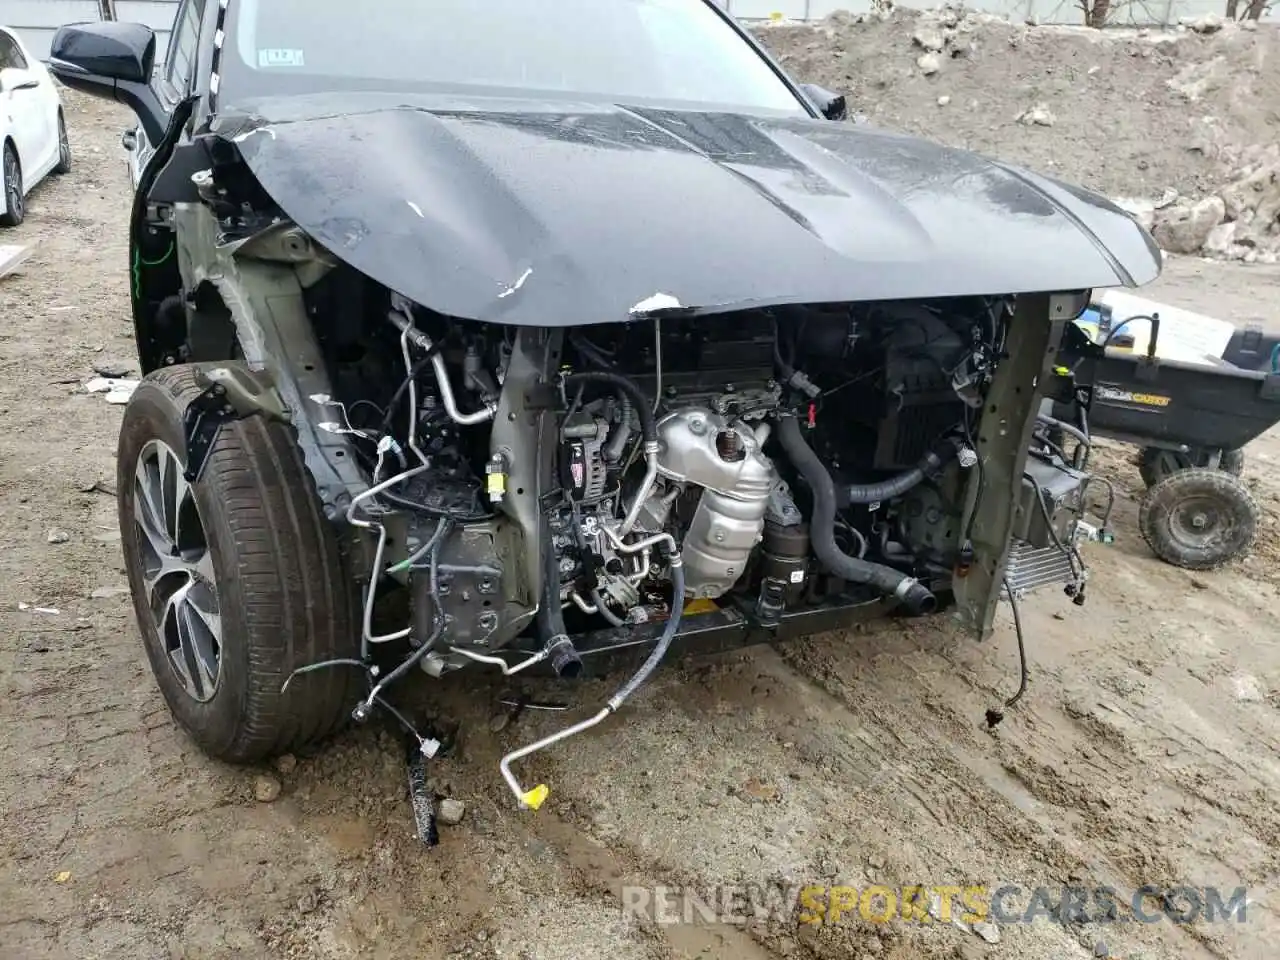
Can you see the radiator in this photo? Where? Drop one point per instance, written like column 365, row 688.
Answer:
column 1030, row 567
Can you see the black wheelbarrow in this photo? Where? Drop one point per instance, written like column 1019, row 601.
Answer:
column 1191, row 421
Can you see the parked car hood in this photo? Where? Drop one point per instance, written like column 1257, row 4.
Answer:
column 562, row 214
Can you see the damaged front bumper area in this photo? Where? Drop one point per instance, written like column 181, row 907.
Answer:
column 1025, row 500
column 545, row 495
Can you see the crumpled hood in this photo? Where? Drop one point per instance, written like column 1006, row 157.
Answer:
column 561, row 214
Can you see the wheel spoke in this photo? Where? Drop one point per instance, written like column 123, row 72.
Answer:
column 156, row 541
column 172, row 491
column 178, row 573
column 199, row 649
column 203, row 567
column 202, row 600
column 172, row 631
column 148, row 486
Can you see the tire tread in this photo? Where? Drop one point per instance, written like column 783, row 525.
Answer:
column 1156, row 506
column 298, row 600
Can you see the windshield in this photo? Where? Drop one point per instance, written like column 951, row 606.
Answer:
column 656, row 50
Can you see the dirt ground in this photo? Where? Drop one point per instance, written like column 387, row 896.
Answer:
column 1127, row 113
column 1144, row 753
column 1182, row 125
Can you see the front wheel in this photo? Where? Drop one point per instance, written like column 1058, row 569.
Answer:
column 11, row 185
column 1199, row 519
column 236, row 577
column 64, row 148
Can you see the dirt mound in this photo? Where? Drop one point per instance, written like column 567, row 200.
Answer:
column 1142, row 114
column 1241, row 221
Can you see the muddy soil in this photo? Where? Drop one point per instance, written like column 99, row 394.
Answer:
column 1144, row 752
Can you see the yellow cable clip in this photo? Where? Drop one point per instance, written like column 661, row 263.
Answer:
column 535, row 797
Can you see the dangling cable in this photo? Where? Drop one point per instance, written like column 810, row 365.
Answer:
column 534, row 798
column 996, row 714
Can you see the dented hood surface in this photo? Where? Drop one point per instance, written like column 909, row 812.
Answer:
column 561, row 214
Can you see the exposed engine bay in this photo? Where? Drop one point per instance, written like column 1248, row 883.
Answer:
column 710, row 438
column 529, row 487
column 788, row 455
column 539, row 495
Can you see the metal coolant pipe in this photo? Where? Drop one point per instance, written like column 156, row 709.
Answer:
column 533, row 799
column 424, row 343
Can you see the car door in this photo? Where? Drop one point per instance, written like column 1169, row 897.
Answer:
column 22, row 101
column 172, row 81
column 49, row 96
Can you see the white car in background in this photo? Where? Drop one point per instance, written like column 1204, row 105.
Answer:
column 33, row 131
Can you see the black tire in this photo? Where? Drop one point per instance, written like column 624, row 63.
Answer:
column 11, row 184
column 1232, row 462
column 1154, row 463
column 1199, row 519
column 64, row 148
column 278, row 579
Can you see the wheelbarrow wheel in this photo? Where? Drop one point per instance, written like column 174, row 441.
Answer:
column 1154, row 463
column 1199, row 519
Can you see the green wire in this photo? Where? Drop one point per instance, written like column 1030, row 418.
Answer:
column 139, row 263
column 156, row 263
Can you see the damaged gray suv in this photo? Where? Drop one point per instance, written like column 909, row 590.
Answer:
column 505, row 336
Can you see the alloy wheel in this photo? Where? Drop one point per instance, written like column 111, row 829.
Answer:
column 64, row 144
column 178, row 577
column 13, row 185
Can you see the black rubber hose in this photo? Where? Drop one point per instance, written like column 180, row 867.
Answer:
column 421, row 365
column 591, row 352
column 896, row 486
column 644, row 406
column 1083, row 450
column 664, row 642
column 563, row 655
column 915, row 597
column 1155, row 328
column 1069, row 429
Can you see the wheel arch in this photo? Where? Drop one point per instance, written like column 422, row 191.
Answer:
column 260, row 304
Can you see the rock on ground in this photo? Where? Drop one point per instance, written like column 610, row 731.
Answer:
column 1184, row 227
column 451, row 812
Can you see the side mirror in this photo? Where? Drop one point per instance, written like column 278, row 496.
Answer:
column 114, row 61
column 830, row 105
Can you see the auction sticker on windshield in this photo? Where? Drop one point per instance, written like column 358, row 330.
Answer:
column 280, row 58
